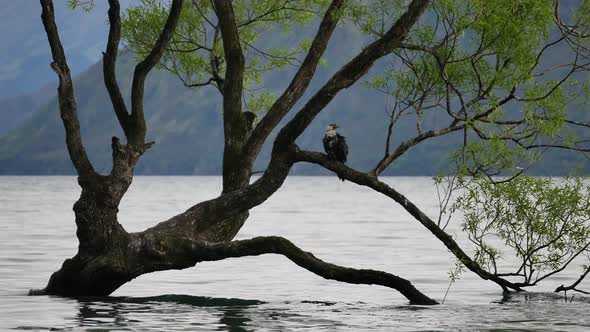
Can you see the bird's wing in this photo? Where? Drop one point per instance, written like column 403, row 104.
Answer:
column 343, row 146
column 326, row 142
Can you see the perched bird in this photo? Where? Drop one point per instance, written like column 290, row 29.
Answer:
column 335, row 145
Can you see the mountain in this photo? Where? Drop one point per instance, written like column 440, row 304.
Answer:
column 15, row 110
column 25, row 56
column 38, row 145
column 186, row 123
column 26, row 81
column 187, row 127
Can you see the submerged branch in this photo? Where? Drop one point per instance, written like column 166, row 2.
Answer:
column 200, row 251
column 575, row 284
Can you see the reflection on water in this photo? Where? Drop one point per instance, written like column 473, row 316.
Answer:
column 340, row 223
column 170, row 311
column 521, row 312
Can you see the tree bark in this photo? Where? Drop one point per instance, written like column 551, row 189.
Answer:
column 99, row 266
column 298, row 84
column 199, row 251
column 67, row 102
column 143, row 68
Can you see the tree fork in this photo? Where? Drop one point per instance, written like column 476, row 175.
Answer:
column 100, row 265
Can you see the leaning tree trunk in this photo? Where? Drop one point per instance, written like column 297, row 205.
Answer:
column 101, row 264
column 108, row 256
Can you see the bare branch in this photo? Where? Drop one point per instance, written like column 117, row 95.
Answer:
column 372, row 182
column 392, row 119
column 575, row 284
column 578, row 123
column 200, row 251
column 203, row 15
column 403, row 147
column 109, row 60
column 143, row 68
column 298, row 84
column 67, row 101
column 353, row 71
column 564, row 265
column 556, row 146
column 194, row 85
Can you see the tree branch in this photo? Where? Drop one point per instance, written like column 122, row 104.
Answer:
column 403, row 147
column 67, row 101
column 353, row 71
column 298, row 84
column 233, row 85
column 372, row 182
column 109, row 60
column 187, row 253
column 144, row 67
column 575, row 284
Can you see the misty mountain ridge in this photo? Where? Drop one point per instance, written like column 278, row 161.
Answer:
column 186, row 125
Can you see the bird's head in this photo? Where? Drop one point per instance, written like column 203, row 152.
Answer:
column 331, row 127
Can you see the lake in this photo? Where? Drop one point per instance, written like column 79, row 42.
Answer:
column 341, row 223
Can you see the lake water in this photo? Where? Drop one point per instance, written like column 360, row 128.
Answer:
column 339, row 222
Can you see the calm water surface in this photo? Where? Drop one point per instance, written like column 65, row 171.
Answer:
column 339, row 222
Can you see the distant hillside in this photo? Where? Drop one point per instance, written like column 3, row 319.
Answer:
column 186, row 125
column 25, row 56
column 15, row 110
column 26, row 81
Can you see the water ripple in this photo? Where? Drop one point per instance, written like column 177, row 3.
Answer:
column 339, row 222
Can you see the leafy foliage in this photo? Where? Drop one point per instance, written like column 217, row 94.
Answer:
column 86, row 5
column 196, row 50
column 545, row 223
column 489, row 67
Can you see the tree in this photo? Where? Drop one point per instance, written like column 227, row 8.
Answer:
column 468, row 61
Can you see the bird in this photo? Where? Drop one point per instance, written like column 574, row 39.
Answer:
column 335, row 145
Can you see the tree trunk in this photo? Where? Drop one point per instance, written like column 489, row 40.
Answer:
column 108, row 256
column 100, row 266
